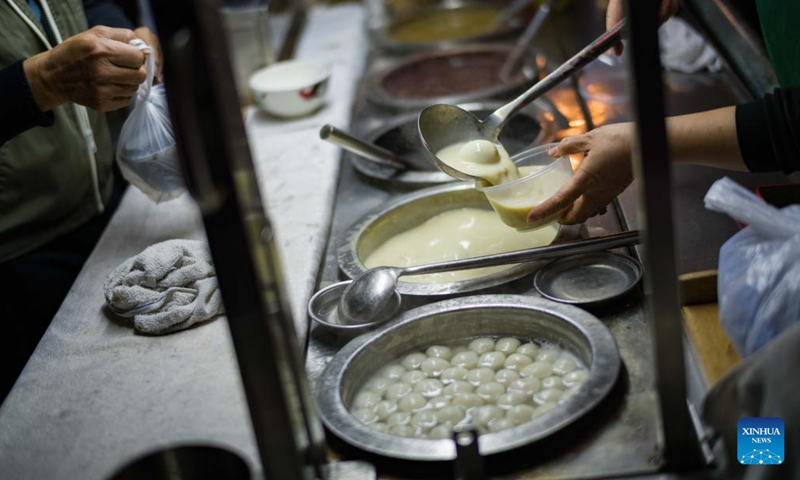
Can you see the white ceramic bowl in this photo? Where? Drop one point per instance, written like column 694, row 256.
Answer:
column 291, row 88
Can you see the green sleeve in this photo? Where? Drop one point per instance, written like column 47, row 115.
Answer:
column 779, row 23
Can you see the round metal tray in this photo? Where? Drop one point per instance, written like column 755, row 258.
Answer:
column 458, row 319
column 535, row 124
column 385, row 40
column 411, row 210
column 588, row 279
column 377, row 94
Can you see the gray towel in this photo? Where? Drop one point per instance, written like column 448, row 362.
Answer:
column 168, row 287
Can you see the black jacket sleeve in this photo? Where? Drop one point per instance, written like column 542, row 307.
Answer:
column 768, row 131
column 18, row 109
column 106, row 13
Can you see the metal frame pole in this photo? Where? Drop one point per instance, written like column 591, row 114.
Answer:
column 681, row 448
column 220, row 174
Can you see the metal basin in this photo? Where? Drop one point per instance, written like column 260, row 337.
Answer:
column 459, row 319
column 536, row 124
column 385, row 35
column 459, row 63
column 409, row 211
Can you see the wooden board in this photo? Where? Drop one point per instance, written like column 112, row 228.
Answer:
column 710, row 343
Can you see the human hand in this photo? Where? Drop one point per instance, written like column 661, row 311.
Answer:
column 96, row 68
column 150, row 38
column 604, row 172
column 615, row 13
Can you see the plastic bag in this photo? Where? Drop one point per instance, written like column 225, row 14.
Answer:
column 146, row 152
column 759, row 267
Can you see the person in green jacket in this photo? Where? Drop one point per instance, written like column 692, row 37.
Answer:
column 57, row 187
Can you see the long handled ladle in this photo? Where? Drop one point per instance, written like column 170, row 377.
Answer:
column 444, row 125
column 513, row 58
column 369, row 294
column 362, row 148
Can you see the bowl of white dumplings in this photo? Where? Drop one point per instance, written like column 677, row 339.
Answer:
column 515, row 369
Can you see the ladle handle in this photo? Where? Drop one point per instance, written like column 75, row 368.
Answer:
column 596, row 244
column 527, row 37
column 589, row 53
column 361, row 148
column 512, row 10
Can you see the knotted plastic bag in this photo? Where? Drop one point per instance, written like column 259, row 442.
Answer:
column 146, row 152
column 759, row 267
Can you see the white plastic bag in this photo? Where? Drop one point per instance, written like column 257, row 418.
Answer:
column 759, row 267
column 146, row 151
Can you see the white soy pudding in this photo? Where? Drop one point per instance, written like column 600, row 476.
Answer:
column 494, row 383
column 455, row 234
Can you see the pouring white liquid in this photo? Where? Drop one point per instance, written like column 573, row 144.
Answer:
column 482, row 159
column 510, row 198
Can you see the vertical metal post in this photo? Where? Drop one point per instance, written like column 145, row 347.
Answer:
column 211, row 138
column 681, row 447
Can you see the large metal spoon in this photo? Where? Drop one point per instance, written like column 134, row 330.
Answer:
column 362, row 148
column 369, row 293
column 443, row 125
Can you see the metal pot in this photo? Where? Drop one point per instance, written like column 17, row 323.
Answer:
column 376, row 91
column 411, row 210
column 536, row 124
column 460, row 319
column 385, row 39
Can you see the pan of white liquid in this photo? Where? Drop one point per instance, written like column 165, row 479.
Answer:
column 437, row 224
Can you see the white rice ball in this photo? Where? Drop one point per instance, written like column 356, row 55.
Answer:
column 507, row 345
column 482, row 345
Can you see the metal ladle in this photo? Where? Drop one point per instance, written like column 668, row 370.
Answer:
column 368, row 295
column 362, row 148
column 443, row 125
column 513, row 58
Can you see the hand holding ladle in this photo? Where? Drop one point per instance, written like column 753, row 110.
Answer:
column 443, row 125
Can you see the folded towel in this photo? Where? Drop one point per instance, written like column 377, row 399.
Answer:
column 683, row 49
column 168, row 287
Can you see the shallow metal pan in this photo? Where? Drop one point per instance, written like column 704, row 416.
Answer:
column 384, row 38
column 411, row 210
column 376, row 92
column 458, row 319
column 588, row 279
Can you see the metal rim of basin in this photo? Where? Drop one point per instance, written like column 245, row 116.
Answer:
column 570, row 326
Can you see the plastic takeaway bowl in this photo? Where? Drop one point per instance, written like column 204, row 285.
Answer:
column 543, row 176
